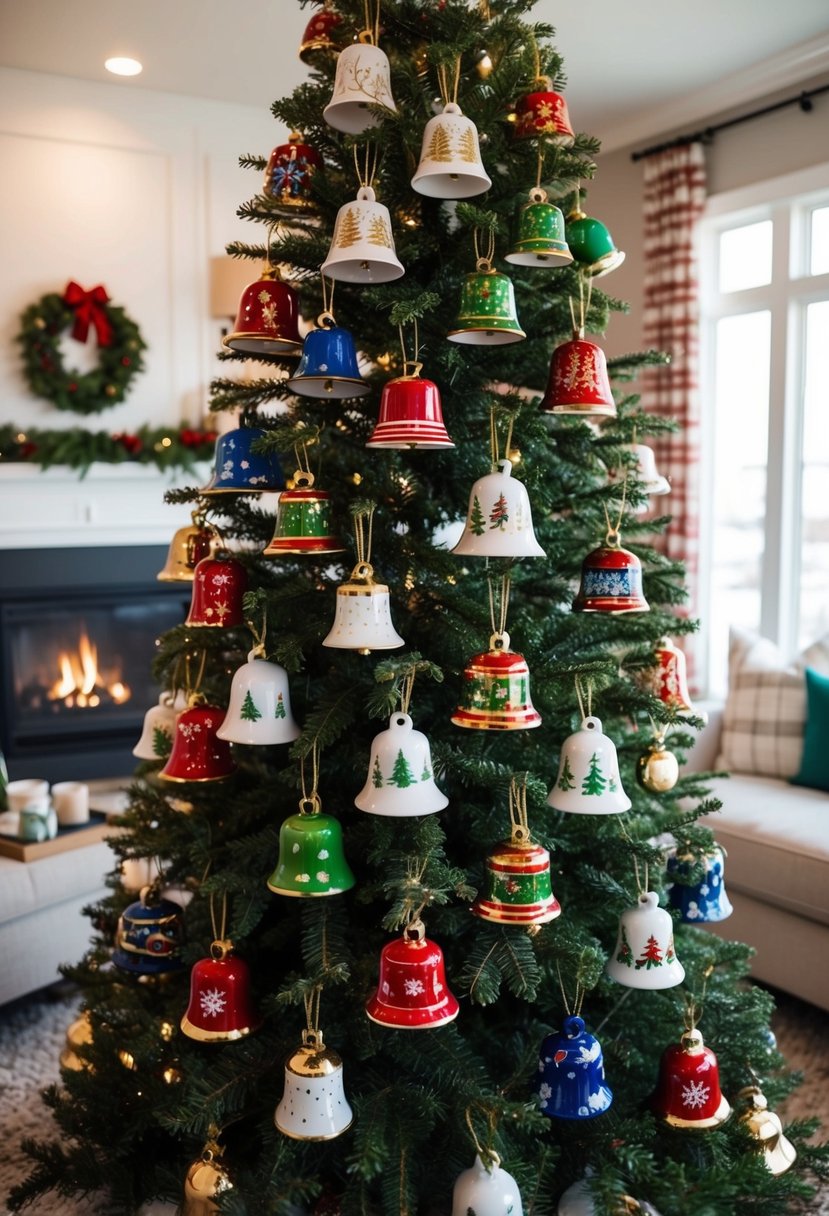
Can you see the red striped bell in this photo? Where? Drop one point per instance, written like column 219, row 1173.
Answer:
column 220, row 1007
column 410, row 414
column 198, row 754
column 219, row 585
column 496, row 690
column 518, row 884
column 578, row 382
column 412, row 992
column 611, row 580
column 543, row 115
column 267, row 322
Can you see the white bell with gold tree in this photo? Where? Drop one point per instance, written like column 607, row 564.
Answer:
column 450, row 157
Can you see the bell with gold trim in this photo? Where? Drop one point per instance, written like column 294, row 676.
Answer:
column 362, row 619
column 450, row 157
column 311, row 859
column 288, row 175
column 410, row 413
column 412, row 993
column 611, row 580
column 778, row 1153
column 362, row 82
column 303, row 520
column 79, row 1034
column 591, row 244
column 216, row 599
column 206, row 1179
column 518, row 883
column 239, row 468
column 688, row 1091
column 543, row 115
column 588, row 780
column 149, row 936
column 328, row 367
column 188, row 546
column 313, row 1105
column 362, row 247
column 259, row 713
column 540, row 238
column 495, row 693
column 499, row 520
column 220, row 1008
column 578, row 382
column 400, row 779
column 198, row 754
column 668, row 678
column 320, row 41
column 487, row 315
column 267, row 322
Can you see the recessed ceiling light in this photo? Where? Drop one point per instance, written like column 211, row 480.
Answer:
column 122, row 66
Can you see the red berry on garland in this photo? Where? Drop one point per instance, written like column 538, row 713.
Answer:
column 72, row 386
column 125, row 361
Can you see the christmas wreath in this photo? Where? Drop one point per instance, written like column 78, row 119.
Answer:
column 119, row 349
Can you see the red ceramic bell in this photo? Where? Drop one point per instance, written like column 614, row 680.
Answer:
column 578, row 381
column 291, row 167
column 219, row 584
column 220, row 1007
column 668, row 679
column 319, row 41
column 412, row 993
column 496, row 690
column 611, row 580
column 198, row 754
column 543, row 115
column 267, row 322
column 518, row 884
column 688, row 1090
column 410, row 414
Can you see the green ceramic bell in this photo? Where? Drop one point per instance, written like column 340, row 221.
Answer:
column 311, row 857
column 540, row 240
column 487, row 314
column 591, row 244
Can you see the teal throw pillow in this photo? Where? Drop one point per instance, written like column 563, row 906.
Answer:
column 814, row 767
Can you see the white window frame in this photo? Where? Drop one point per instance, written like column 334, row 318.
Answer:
column 788, row 202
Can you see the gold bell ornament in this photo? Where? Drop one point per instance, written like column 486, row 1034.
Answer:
column 518, row 874
column 657, row 769
column 540, row 238
column 206, row 1179
column 78, row 1035
column 487, row 315
column 259, row 713
column 588, row 781
column 188, row 546
column 765, row 1127
column 362, row 84
column 313, row 1105
column 450, row 157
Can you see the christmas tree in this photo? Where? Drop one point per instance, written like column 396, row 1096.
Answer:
column 153, row 1097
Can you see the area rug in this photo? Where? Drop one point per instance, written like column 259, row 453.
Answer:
column 33, row 1034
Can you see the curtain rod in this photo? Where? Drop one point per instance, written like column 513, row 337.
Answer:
column 705, row 136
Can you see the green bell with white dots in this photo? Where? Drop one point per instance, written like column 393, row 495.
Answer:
column 487, row 314
column 311, row 856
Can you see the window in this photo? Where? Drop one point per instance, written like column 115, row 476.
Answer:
column 765, row 415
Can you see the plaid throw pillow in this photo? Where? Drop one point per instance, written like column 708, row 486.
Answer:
column 765, row 712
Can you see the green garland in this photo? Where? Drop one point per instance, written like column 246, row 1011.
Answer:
column 42, row 326
column 163, row 447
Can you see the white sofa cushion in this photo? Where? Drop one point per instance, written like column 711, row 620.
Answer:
column 27, row 887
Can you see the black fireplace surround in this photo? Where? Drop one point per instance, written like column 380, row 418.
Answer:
column 77, row 637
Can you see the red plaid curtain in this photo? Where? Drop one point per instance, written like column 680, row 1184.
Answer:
column 674, row 199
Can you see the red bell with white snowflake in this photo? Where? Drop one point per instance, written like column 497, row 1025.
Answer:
column 668, row 679
column 644, row 956
column 611, row 580
column 219, row 585
column 198, row 754
column 578, row 381
column 412, row 992
column 688, row 1091
column 220, row 1007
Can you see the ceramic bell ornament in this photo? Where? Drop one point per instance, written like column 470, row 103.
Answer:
column 778, row 1153
column 450, row 157
column 79, row 1034
column 267, row 322
column 705, row 901
column 361, row 86
column 657, row 769
column 487, row 316
column 311, row 860
column 668, row 678
column 571, row 1080
column 239, row 469
column 644, row 470
column 578, row 382
column 321, row 39
column 149, row 936
column 644, row 956
column 588, row 780
column 216, row 598
column 590, row 243
column 159, row 726
column 688, row 1091
column 289, row 172
column 303, row 520
column 499, row 521
column 578, row 1200
column 411, row 414
column 400, row 779
column 328, row 368
column 220, row 1009
column 362, row 619
column 259, row 713
column 412, row 992
column 540, row 237
column 611, row 580
column 188, row 546
column 495, row 693
column 313, row 1105
column 543, row 114
column 518, row 890
column 198, row 753
column 206, row 1179
column 362, row 247
column 486, row 1190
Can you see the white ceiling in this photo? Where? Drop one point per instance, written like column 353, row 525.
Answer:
column 634, row 70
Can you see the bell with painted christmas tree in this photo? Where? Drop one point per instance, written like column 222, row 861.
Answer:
column 412, row 992
column 450, row 156
column 704, row 901
column 198, row 753
column 216, row 598
column 239, row 468
column 188, row 546
column 590, row 243
column 267, row 322
column 588, row 781
column 495, row 693
column 571, row 1078
column 688, row 1091
column 486, row 316
column 362, row 620
column 313, row 1105
column 149, row 936
column 611, row 580
column 206, row 1179
column 540, row 238
column 362, row 247
column 328, row 369
column 486, row 1190
column 220, row 1009
column 518, row 874
column 542, row 114
column 311, row 860
column 644, row 956
column 400, row 779
column 499, row 521
column 764, row 1126
column 362, row 84
column 159, row 727
column 259, row 713
column 289, row 172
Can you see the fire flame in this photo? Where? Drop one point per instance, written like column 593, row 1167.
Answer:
column 80, row 683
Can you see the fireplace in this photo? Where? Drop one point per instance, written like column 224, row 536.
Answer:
column 77, row 637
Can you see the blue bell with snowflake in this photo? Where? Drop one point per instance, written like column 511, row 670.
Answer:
column 571, row 1081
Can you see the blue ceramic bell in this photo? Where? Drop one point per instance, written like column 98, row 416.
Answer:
column 703, row 902
column 328, row 367
column 240, row 470
column 148, row 938
column 570, row 1081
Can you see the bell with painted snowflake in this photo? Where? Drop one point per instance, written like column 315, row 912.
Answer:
column 219, row 586
column 688, row 1091
column 588, row 780
column 611, row 580
column 220, row 1008
column 311, row 859
column 495, row 693
column 259, row 712
column 571, row 1081
column 400, row 779
column 764, row 1126
column 206, row 1179
column 313, row 1105
column 291, row 167
column 499, row 520
column 486, row 1190
column 518, row 890
column 704, row 901
column 644, row 956
column 239, row 469
column 198, row 754
column 412, row 992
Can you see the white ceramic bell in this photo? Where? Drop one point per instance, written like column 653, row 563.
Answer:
column 259, row 712
column 588, row 780
column 644, row 956
column 362, row 247
column 577, row 1201
column 362, row 620
column 159, row 723
column 645, row 469
column 486, row 1191
column 400, row 780
column 313, row 1105
column 450, row 157
column 363, row 80
column 499, row 520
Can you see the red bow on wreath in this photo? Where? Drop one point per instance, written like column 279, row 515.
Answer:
column 89, row 309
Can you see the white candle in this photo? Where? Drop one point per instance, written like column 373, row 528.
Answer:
column 71, row 799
